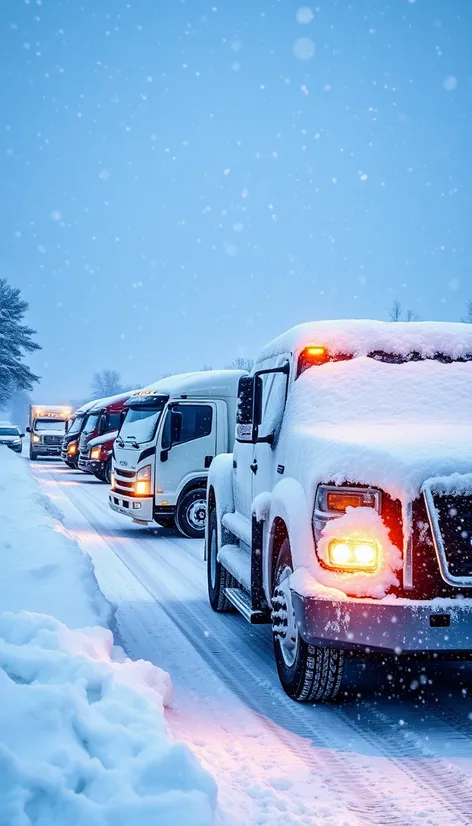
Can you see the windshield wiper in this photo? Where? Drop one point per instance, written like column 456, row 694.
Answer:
column 132, row 441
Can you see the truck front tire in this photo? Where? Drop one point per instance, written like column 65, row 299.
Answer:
column 191, row 513
column 308, row 673
column 32, row 456
column 218, row 577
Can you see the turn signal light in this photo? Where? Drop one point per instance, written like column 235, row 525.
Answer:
column 353, row 555
column 141, row 487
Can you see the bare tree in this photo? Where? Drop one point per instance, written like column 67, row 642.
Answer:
column 240, row 363
column 206, row 367
column 468, row 317
column 106, row 383
column 396, row 310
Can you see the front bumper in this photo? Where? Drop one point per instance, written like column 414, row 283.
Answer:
column 95, row 466
column 46, row 450
column 370, row 625
column 140, row 508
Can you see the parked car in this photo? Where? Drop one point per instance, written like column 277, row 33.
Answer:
column 11, row 436
column 343, row 516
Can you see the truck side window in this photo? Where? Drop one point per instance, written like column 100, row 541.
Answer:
column 113, row 422
column 196, row 421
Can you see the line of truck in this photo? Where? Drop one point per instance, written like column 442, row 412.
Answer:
column 332, row 485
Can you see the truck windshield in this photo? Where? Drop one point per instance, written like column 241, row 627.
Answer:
column 50, row 424
column 9, row 431
column 140, row 424
column 92, row 422
column 76, row 425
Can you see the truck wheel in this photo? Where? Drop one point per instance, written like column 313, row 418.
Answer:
column 308, row 673
column 218, row 577
column 32, row 456
column 190, row 516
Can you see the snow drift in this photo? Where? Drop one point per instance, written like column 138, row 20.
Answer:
column 83, row 736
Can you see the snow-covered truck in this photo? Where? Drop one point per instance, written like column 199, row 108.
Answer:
column 70, row 441
column 104, row 417
column 172, row 431
column 46, row 428
column 99, row 458
column 343, row 517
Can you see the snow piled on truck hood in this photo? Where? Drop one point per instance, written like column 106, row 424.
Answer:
column 387, row 425
column 83, row 735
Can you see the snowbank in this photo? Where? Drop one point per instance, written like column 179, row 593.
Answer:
column 83, row 737
column 42, row 569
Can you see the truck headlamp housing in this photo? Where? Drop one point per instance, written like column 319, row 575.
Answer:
column 72, row 449
column 95, row 453
column 36, row 439
column 142, row 486
column 332, row 501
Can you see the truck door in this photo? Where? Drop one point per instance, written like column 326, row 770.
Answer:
column 188, row 445
column 265, row 455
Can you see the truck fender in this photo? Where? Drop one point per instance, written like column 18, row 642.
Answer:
column 198, row 480
column 290, row 511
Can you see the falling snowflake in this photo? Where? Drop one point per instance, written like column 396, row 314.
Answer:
column 304, row 48
column 450, row 83
column 304, row 15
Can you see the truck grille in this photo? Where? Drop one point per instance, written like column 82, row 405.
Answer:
column 128, row 474
column 52, row 440
column 454, row 519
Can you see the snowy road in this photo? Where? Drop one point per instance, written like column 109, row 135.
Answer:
column 397, row 751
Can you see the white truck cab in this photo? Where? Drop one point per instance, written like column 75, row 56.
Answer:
column 343, row 516
column 168, row 439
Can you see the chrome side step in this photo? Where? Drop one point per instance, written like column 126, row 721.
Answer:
column 242, row 602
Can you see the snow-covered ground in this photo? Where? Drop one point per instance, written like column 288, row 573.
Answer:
column 83, row 735
column 396, row 751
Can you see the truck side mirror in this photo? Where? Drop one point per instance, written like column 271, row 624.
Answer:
column 28, row 430
column 245, row 431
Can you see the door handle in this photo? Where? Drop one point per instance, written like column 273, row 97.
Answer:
column 254, row 467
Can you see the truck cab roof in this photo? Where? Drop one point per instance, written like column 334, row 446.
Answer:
column 114, row 404
column 219, row 384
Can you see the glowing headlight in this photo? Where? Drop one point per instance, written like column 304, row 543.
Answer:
column 142, row 486
column 72, row 449
column 95, row 453
column 353, row 555
column 36, row 439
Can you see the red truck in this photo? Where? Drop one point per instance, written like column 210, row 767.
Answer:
column 104, row 418
column 99, row 456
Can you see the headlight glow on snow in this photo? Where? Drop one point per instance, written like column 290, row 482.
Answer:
column 352, row 555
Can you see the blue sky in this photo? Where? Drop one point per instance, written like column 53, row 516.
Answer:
column 182, row 181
